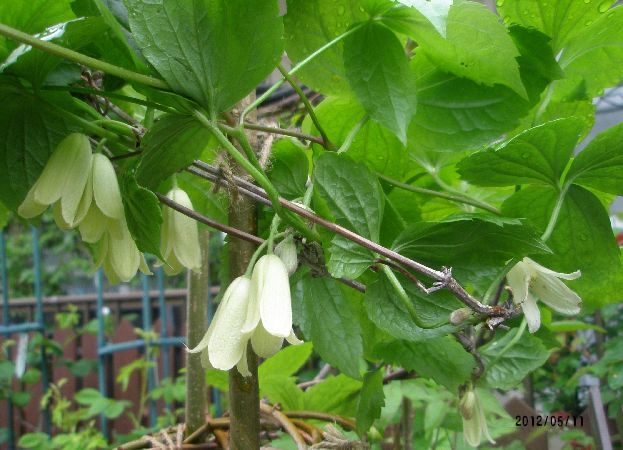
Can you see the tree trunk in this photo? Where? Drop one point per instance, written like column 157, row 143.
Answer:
column 196, row 326
column 244, row 394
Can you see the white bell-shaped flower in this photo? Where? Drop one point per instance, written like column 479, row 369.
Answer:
column 224, row 344
column 270, row 300
column 474, row 421
column 530, row 280
column 179, row 244
column 101, row 200
column 118, row 253
column 62, row 182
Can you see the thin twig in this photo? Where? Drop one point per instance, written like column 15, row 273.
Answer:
column 470, row 347
column 344, row 422
column 283, row 132
column 285, row 423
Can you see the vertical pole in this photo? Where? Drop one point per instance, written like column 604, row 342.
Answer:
column 147, row 326
column 40, row 321
column 244, row 397
column 164, row 323
column 5, row 320
column 196, row 325
column 101, row 342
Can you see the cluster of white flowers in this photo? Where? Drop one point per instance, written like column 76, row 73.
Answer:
column 256, row 309
column 83, row 190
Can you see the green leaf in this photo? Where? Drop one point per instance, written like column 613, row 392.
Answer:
column 329, row 322
column 590, row 59
column 215, row 51
column 34, row 440
column 356, row 200
column 282, row 390
column 477, row 46
column 436, row 12
column 442, row 359
column 30, row 129
column 286, row 362
column 386, row 311
column 536, row 156
column 559, row 19
column 5, row 215
column 31, row 17
column 600, row 164
column 371, row 400
column 143, row 215
column 469, row 242
column 377, row 69
column 506, row 370
column 455, row 113
column 289, row 168
column 566, row 326
column 173, row 143
column 311, row 25
column 218, row 379
column 332, row 395
column 582, row 240
column 373, row 144
column 35, row 65
column 20, row 398
column 31, row 376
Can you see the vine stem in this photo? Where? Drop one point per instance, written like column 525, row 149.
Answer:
column 262, row 180
column 281, row 131
column 71, row 55
column 458, row 198
column 310, row 109
column 400, row 290
column 295, row 69
column 555, row 213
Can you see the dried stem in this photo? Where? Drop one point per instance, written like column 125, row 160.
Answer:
column 285, row 423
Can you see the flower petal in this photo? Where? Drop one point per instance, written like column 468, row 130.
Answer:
column 50, row 185
column 274, row 295
column 556, row 294
column 252, row 316
column 292, row 339
column 58, row 217
column 122, row 251
column 77, row 175
column 545, row 270
column 93, row 225
column 531, row 313
column 243, row 365
column 264, row 343
column 30, row 207
column 483, row 420
column 185, row 236
column 518, row 279
column 227, row 342
column 106, row 187
column 86, row 199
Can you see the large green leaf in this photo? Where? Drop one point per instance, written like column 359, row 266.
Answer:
column 386, row 311
column 328, row 322
column 335, row 394
column 30, row 129
column 311, row 25
column 538, row 155
column 592, row 59
column 505, row 370
column 436, row 12
column 282, row 390
column 215, row 51
column 287, row 362
column 469, row 242
column 173, row 143
column 143, row 215
column 373, row 144
column 371, row 400
column 31, row 17
column 455, row 113
column 443, row 359
column 559, row 19
column 356, row 201
column 35, row 65
column 377, row 69
column 582, row 239
column 477, row 46
column 600, row 164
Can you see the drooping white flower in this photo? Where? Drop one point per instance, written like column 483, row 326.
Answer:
column 62, row 182
column 118, row 253
column 530, row 280
column 474, row 421
column 224, row 344
column 270, row 298
column 179, row 244
column 101, row 200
